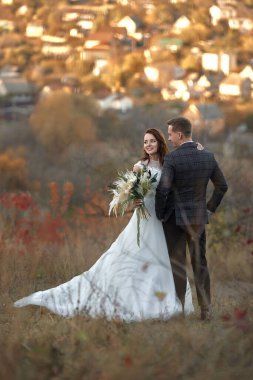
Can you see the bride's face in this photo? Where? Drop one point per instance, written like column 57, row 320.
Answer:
column 150, row 144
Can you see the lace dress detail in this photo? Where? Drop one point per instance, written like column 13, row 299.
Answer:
column 128, row 282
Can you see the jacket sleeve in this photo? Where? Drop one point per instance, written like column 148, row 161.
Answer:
column 164, row 189
column 220, row 188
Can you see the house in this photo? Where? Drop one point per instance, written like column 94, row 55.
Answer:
column 102, row 44
column 177, row 1
column 124, row 2
column 54, row 46
column 243, row 20
column 22, row 11
column 180, row 89
column 34, row 29
column 161, row 73
column 247, row 72
column 76, row 32
column 176, row 89
column 17, row 90
column 9, row 71
column 116, row 101
column 86, row 22
column 82, row 7
column 131, row 23
column 225, row 62
column 181, row 24
column 7, row 2
column 6, row 21
column 70, row 15
column 209, row 83
column 100, row 51
column 243, row 24
column 226, row 3
column 99, row 66
column 105, row 36
column 162, row 43
column 66, row 84
column 219, row 13
column 57, row 50
column 204, row 82
column 206, row 118
column 83, row 17
column 234, row 86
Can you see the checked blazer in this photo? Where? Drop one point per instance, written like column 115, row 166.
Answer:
column 182, row 187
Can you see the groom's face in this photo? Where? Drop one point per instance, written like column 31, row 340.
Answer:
column 174, row 137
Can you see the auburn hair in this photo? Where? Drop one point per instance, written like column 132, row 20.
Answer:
column 162, row 146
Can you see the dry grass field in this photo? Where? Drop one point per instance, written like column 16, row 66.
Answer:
column 43, row 248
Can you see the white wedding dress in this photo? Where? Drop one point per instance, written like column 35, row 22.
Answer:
column 128, row 282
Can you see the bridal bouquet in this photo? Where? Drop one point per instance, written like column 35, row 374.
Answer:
column 131, row 186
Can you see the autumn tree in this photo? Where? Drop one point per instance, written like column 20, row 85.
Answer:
column 62, row 120
column 13, row 170
column 161, row 13
column 195, row 33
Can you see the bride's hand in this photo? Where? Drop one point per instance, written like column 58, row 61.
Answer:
column 199, row 146
column 136, row 168
column 137, row 203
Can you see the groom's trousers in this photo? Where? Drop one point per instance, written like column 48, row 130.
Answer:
column 177, row 238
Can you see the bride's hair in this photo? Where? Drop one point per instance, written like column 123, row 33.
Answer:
column 162, row 146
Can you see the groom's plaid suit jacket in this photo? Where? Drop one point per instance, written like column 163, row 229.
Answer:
column 182, row 187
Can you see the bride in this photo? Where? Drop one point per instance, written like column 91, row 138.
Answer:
column 128, row 282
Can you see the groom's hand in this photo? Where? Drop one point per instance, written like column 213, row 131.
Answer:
column 209, row 213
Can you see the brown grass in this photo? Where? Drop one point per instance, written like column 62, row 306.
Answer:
column 38, row 344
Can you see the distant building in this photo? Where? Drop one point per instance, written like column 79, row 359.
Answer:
column 243, row 24
column 66, row 84
column 7, row 24
column 34, row 29
column 181, row 24
column 206, row 118
column 101, row 45
column 161, row 73
column 162, row 43
column 7, row 2
column 247, row 72
column 219, row 13
column 131, row 23
column 54, row 46
column 235, row 86
column 177, row 1
column 118, row 102
column 225, row 62
column 17, row 90
column 9, row 71
column 56, row 50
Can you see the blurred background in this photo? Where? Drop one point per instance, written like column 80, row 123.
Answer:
column 80, row 81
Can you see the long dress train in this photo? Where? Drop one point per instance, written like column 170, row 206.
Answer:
column 127, row 282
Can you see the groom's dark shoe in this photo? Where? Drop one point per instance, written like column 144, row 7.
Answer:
column 206, row 313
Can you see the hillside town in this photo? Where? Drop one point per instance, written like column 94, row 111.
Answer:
column 125, row 53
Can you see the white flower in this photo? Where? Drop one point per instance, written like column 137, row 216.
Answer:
column 128, row 187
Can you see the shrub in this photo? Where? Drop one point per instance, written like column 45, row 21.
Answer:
column 13, row 170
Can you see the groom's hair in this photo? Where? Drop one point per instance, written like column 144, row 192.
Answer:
column 181, row 124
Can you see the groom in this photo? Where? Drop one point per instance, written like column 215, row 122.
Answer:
column 181, row 206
